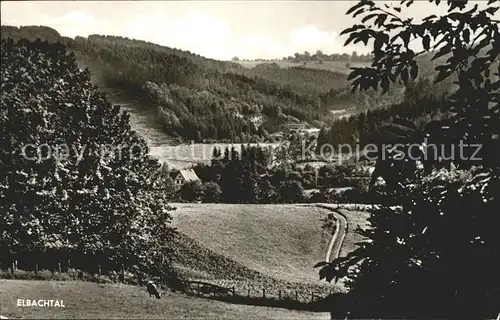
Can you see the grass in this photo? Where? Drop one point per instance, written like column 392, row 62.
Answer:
column 143, row 117
column 282, row 241
column 356, row 220
column 250, row 247
column 254, row 247
column 85, row 300
column 185, row 155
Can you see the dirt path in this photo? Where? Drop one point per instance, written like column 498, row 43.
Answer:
column 339, row 235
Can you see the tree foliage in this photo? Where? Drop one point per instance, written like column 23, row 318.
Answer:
column 191, row 191
column 433, row 248
column 99, row 200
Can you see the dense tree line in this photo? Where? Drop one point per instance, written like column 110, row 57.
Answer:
column 76, row 184
column 423, row 102
column 249, row 177
column 302, row 80
column 244, row 177
column 320, row 56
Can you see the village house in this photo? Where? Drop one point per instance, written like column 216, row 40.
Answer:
column 182, row 176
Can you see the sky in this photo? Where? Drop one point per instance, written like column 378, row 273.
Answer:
column 214, row 29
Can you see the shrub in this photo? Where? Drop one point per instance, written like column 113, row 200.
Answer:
column 211, row 192
column 191, row 191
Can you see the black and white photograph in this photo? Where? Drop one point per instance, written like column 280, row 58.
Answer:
column 250, row 159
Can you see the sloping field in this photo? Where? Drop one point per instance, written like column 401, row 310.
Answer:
column 143, row 118
column 85, row 300
column 281, row 241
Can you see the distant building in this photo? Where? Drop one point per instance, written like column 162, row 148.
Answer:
column 182, row 176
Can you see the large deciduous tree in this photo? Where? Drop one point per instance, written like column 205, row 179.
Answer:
column 92, row 195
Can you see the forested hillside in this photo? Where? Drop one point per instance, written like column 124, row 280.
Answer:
column 198, row 98
column 195, row 97
column 423, row 103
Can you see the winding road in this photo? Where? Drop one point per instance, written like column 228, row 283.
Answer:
column 338, row 236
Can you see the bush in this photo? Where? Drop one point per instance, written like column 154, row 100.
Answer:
column 211, row 192
column 191, row 191
column 291, row 191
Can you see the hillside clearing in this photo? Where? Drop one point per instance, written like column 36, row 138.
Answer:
column 143, row 117
column 144, row 121
column 85, row 300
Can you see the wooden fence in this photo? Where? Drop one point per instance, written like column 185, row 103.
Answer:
column 202, row 288
column 117, row 275
column 207, row 288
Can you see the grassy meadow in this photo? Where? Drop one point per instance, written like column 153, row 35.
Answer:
column 355, row 219
column 86, row 300
column 282, row 241
column 253, row 246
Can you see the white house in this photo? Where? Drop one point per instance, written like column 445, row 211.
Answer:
column 182, row 176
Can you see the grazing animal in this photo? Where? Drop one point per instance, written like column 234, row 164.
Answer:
column 153, row 290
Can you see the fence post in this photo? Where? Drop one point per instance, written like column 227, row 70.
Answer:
column 248, row 292
column 139, row 279
column 59, row 267
column 13, row 268
column 234, row 291
column 36, row 269
column 16, row 264
column 264, row 293
column 296, row 295
column 122, row 275
column 99, row 269
column 69, row 263
column 279, row 294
